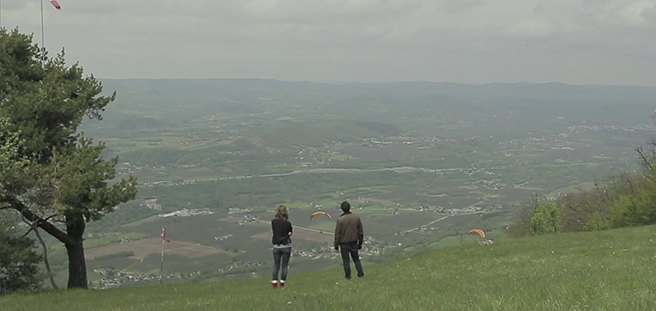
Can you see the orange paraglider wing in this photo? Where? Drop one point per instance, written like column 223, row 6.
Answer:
column 320, row 213
column 478, row 231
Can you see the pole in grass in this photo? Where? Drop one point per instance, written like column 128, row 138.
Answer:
column 161, row 268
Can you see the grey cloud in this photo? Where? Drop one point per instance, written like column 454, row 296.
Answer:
column 16, row 4
column 605, row 14
column 459, row 6
column 649, row 14
column 254, row 18
column 595, row 4
column 588, row 41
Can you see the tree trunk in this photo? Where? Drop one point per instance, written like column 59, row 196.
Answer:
column 77, row 267
column 72, row 239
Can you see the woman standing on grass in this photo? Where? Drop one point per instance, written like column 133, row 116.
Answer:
column 282, row 245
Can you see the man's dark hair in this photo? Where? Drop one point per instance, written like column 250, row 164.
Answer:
column 345, row 206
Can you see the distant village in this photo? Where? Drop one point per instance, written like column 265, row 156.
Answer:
column 188, row 212
column 115, row 278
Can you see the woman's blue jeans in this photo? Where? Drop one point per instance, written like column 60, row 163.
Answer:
column 280, row 262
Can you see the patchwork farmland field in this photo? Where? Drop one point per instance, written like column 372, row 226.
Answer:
column 145, row 247
column 302, row 234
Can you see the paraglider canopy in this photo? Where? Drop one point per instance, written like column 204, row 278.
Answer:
column 478, row 231
column 320, row 213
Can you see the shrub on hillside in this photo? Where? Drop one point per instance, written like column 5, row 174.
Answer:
column 622, row 200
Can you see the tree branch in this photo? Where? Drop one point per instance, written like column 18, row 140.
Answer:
column 28, row 231
column 45, row 251
column 46, row 226
column 48, row 218
column 645, row 161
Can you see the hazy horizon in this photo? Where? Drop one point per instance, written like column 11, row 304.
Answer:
column 384, row 82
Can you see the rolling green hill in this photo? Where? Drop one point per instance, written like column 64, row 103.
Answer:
column 606, row 270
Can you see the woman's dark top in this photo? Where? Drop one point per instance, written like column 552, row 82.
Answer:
column 281, row 229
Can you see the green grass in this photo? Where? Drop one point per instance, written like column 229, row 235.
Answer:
column 142, row 221
column 91, row 243
column 609, row 270
column 132, row 236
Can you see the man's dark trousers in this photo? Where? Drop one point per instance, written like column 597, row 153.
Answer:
column 351, row 249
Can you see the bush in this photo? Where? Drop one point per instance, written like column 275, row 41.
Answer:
column 18, row 263
column 546, row 218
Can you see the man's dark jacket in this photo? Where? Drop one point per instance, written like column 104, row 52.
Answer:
column 349, row 230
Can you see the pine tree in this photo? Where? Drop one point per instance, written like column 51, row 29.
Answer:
column 57, row 175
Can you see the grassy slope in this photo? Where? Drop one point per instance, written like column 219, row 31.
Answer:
column 610, row 270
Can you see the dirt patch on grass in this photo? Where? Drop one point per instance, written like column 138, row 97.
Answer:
column 257, row 141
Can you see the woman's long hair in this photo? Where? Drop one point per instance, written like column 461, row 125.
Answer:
column 281, row 213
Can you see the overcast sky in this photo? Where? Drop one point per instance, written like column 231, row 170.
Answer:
column 467, row 41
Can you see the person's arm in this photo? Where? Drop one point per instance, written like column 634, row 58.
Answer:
column 338, row 234
column 360, row 234
column 291, row 230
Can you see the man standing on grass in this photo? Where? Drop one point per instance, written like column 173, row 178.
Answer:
column 349, row 236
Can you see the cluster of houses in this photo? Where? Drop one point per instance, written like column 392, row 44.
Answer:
column 115, row 278
column 453, row 211
column 188, row 212
column 221, row 238
column 247, row 219
column 235, row 210
column 152, row 204
column 239, row 265
column 327, row 250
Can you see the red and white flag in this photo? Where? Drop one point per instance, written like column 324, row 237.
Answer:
column 56, row 4
column 163, row 235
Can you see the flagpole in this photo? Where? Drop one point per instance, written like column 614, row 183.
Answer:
column 43, row 44
column 161, row 269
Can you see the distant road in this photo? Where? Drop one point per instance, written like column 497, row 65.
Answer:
column 402, row 169
column 314, row 230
